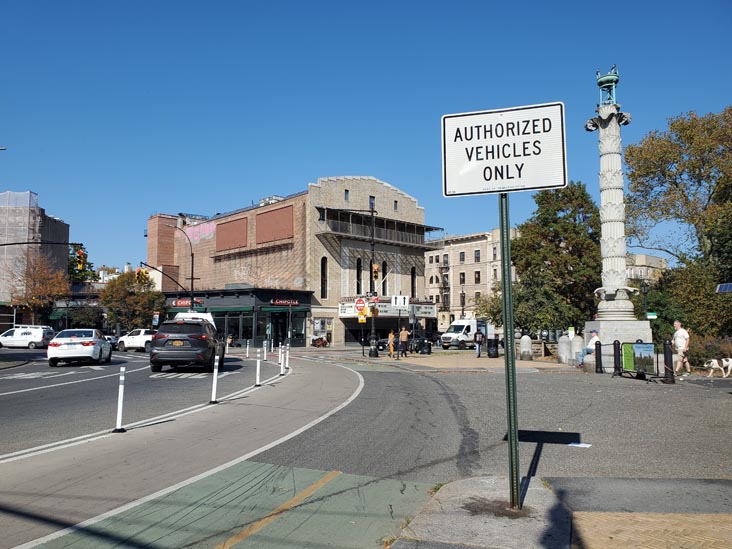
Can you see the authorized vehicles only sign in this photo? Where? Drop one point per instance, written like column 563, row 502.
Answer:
column 505, row 150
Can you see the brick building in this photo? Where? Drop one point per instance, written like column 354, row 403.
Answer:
column 22, row 220
column 295, row 265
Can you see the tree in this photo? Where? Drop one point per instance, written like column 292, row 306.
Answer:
column 131, row 303
column 87, row 316
column 683, row 177
column 77, row 255
column 38, row 283
column 557, row 260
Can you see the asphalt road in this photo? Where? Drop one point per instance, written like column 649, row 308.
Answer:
column 40, row 405
column 409, row 428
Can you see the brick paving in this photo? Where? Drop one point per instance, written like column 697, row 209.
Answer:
column 591, row 530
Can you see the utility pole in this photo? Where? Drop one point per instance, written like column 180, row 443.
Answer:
column 373, row 340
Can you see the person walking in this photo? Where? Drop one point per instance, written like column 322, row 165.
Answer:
column 392, row 337
column 681, row 342
column 478, row 339
column 404, row 341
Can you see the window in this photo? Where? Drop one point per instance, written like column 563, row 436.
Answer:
column 321, row 214
column 462, row 257
column 372, row 202
column 432, row 298
column 345, row 195
column 432, row 260
column 477, row 277
column 445, row 280
column 444, row 259
column 495, row 274
column 396, row 205
column 323, row 278
column 477, row 297
column 359, row 271
column 462, row 278
column 495, row 252
column 437, row 298
column 477, row 256
column 437, row 259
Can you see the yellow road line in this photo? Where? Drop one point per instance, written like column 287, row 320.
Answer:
column 264, row 521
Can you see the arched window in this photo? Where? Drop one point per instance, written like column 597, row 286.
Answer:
column 359, row 270
column 384, row 286
column 323, row 278
column 414, row 282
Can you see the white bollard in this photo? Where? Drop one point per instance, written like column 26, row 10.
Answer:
column 282, row 365
column 215, row 381
column 264, row 349
column 120, row 400
column 258, row 382
column 287, row 357
column 247, row 348
column 279, row 354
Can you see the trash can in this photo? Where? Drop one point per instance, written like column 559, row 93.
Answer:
column 491, row 348
column 425, row 347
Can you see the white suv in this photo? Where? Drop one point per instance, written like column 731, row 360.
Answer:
column 137, row 340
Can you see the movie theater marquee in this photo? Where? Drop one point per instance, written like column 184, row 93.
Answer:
column 499, row 151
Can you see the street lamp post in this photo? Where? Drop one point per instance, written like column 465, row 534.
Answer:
column 462, row 302
column 644, row 290
column 373, row 340
column 190, row 244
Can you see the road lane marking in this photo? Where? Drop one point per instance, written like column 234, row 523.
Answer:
column 274, row 515
column 85, row 380
column 170, row 489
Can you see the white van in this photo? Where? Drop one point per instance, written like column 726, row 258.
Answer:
column 23, row 335
column 461, row 332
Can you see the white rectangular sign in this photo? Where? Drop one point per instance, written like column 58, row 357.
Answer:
column 505, row 150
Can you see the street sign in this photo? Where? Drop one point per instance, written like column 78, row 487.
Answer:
column 651, row 316
column 362, row 320
column 401, row 302
column 360, row 304
column 506, row 150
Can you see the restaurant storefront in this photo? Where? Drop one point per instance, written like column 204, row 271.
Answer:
column 251, row 315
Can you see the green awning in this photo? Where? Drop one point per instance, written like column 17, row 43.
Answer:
column 285, row 309
column 230, row 309
column 58, row 314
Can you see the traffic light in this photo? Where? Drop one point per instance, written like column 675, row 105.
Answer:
column 80, row 259
column 375, row 271
column 138, row 275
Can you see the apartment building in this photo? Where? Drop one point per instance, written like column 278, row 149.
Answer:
column 22, row 221
column 294, row 266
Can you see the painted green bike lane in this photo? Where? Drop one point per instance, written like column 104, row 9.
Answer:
column 260, row 505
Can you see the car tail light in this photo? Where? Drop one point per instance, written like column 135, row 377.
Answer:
column 52, row 344
column 88, row 343
column 160, row 336
column 199, row 336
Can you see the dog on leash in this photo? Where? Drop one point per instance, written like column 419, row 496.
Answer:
column 719, row 364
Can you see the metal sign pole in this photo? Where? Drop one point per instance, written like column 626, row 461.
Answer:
column 510, row 353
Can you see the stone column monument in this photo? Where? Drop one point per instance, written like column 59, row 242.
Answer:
column 615, row 316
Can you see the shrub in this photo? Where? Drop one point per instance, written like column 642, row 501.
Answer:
column 703, row 348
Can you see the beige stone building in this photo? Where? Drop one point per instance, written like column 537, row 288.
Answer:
column 295, row 266
column 459, row 271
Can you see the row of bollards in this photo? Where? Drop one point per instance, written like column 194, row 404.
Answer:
column 283, row 361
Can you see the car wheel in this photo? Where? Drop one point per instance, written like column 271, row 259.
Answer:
column 32, row 345
column 148, row 346
column 121, row 347
column 446, row 347
column 156, row 367
column 461, row 345
column 100, row 359
column 53, row 362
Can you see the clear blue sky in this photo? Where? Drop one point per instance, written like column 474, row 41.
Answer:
column 112, row 111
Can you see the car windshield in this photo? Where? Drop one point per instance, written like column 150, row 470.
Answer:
column 182, row 329
column 75, row 333
column 455, row 329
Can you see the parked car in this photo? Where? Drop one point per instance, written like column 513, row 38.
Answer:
column 77, row 345
column 113, row 340
column 27, row 336
column 138, row 339
column 186, row 342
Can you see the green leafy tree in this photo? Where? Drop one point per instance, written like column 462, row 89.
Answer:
column 87, row 316
column 682, row 177
column 131, row 303
column 38, row 284
column 77, row 254
column 557, row 260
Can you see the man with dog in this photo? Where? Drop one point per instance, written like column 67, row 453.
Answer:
column 681, row 342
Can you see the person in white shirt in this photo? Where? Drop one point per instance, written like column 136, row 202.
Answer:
column 590, row 347
column 681, row 342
